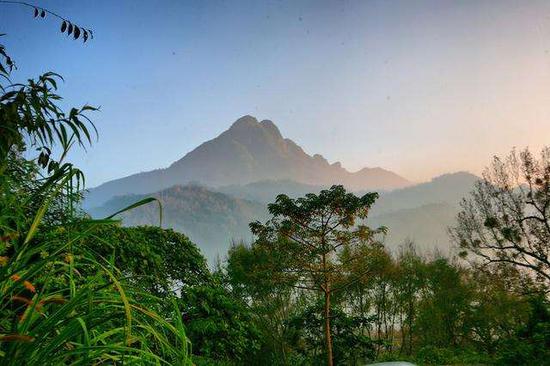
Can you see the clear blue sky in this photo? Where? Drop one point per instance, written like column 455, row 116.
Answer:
column 418, row 87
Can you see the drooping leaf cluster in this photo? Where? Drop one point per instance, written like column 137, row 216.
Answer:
column 67, row 26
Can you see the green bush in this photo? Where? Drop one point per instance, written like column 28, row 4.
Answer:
column 530, row 345
column 432, row 355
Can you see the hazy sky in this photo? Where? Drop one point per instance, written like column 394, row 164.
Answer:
column 418, row 87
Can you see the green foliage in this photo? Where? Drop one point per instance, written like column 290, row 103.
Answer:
column 249, row 274
column 219, row 326
column 530, row 344
column 53, row 315
column 407, row 307
column 61, row 302
column 31, row 111
column 441, row 315
column 432, row 355
column 308, row 237
column 252, row 271
column 159, row 261
column 350, row 345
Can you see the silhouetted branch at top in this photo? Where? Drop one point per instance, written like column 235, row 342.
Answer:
column 67, row 26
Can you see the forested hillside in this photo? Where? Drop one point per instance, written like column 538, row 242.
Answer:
column 195, row 211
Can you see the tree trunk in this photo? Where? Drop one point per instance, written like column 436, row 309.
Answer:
column 328, row 338
column 410, row 324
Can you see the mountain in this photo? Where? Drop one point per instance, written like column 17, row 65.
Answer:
column 427, row 226
column 249, row 151
column 446, row 188
column 266, row 191
column 423, row 212
column 211, row 219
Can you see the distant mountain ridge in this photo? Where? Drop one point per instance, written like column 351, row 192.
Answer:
column 447, row 188
column 213, row 219
column 423, row 212
column 249, row 151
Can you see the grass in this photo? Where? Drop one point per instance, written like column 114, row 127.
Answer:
column 61, row 303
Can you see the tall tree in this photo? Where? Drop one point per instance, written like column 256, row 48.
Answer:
column 308, row 234
column 248, row 274
column 507, row 218
column 410, row 282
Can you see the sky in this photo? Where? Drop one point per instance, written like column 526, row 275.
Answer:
column 421, row 88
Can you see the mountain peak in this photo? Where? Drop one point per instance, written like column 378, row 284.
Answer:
column 248, row 122
column 249, row 151
column 245, row 122
column 272, row 128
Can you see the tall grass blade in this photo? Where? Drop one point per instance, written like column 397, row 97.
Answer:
column 138, row 204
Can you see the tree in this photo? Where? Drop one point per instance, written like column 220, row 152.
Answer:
column 410, row 281
column 158, row 261
column 506, row 220
column 248, row 276
column 498, row 306
column 351, row 347
column 444, row 306
column 220, row 327
column 368, row 295
column 530, row 345
column 308, row 234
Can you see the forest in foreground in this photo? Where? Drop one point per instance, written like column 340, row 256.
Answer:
column 316, row 286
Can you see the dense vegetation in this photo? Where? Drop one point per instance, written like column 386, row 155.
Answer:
column 408, row 306
column 61, row 301
column 316, row 286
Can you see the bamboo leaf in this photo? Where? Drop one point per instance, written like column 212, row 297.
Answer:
column 138, row 204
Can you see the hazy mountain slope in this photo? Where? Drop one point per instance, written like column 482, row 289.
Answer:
column 210, row 219
column 266, row 191
column 425, row 225
column 423, row 212
column 249, row 151
column 213, row 219
column 447, row 188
